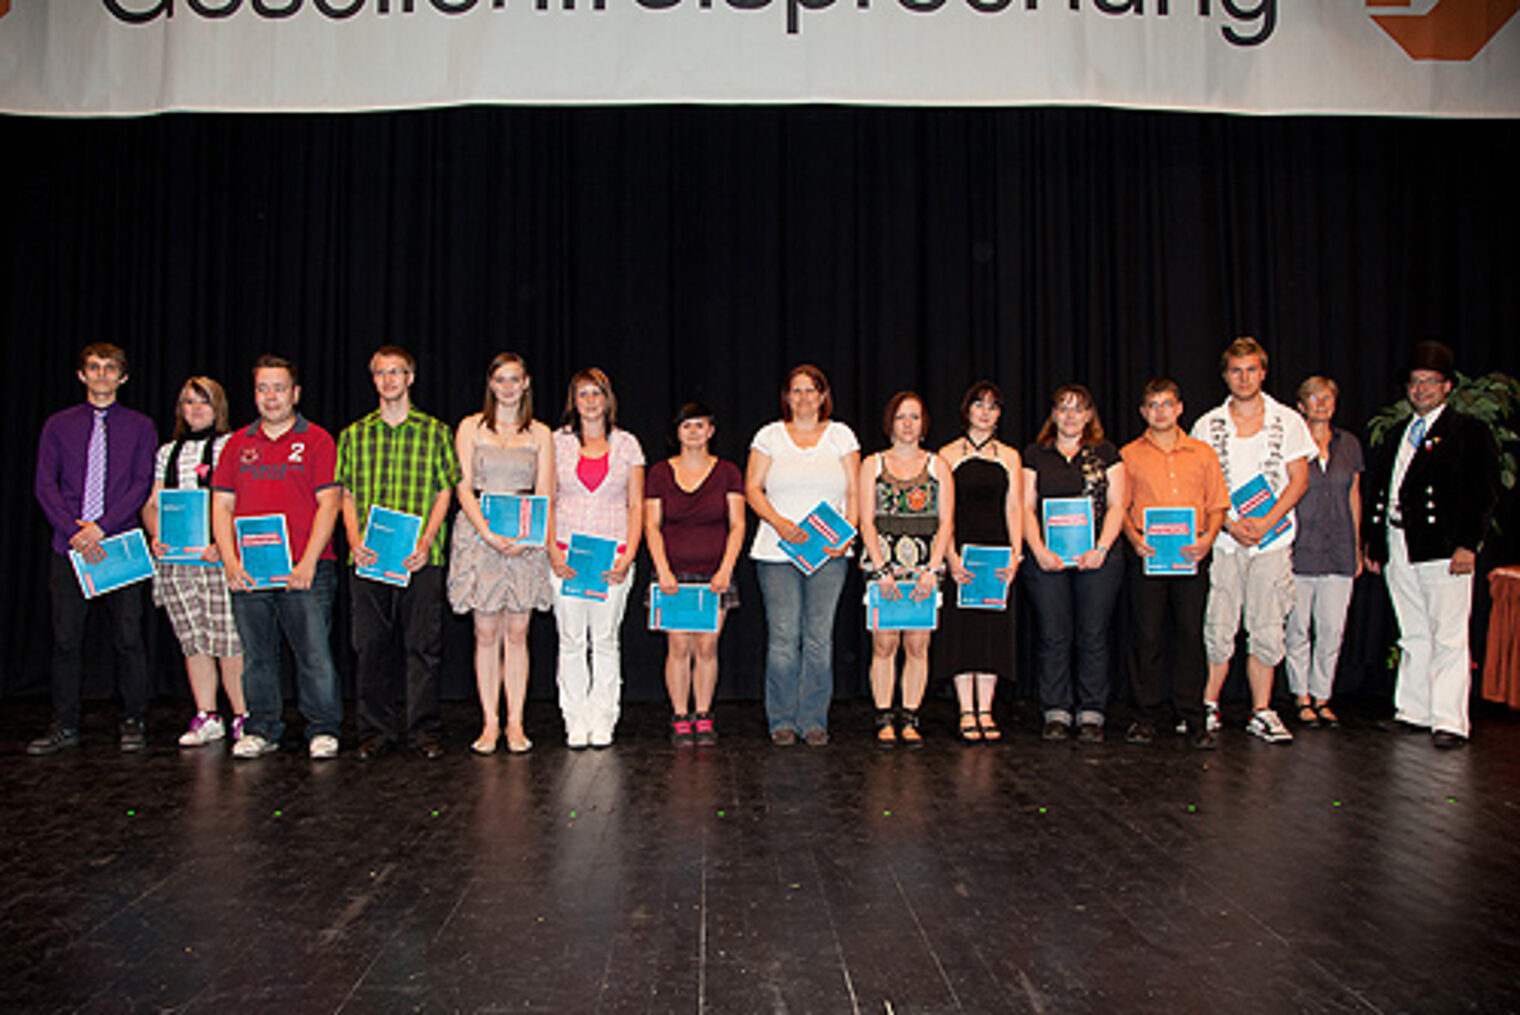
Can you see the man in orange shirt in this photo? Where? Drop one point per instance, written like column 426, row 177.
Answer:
column 1168, row 469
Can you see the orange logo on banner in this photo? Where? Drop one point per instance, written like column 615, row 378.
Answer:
column 1451, row 30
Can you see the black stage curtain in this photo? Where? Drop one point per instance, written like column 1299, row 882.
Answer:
column 699, row 252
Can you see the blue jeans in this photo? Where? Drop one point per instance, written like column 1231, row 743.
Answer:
column 1073, row 612
column 305, row 617
column 799, row 651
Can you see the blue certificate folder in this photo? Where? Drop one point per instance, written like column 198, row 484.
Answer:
column 264, row 549
column 519, row 516
column 984, row 591
column 1068, row 527
column 692, row 608
column 392, row 535
column 127, row 560
column 1167, row 531
column 825, row 527
column 1255, row 499
column 588, row 557
column 902, row 613
column 184, row 526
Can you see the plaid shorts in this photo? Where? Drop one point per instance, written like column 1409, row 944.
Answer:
column 200, row 608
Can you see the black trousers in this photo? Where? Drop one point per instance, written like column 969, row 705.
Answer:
column 122, row 610
column 1166, row 612
column 387, row 618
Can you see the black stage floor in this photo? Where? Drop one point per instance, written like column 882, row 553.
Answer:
column 1355, row 871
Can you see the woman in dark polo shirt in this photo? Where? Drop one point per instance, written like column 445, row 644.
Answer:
column 1326, row 555
column 694, row 524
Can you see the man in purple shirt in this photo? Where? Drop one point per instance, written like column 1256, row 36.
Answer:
column 94, row 470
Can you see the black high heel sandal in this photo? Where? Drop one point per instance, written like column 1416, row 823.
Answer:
column 909, row 734
column 886, row 733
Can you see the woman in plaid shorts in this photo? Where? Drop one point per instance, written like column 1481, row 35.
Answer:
column 196, row 594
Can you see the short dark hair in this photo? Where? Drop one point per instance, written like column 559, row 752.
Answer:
column 1159, row 385
column 895, row 403
column 269, row 361
column 812, row 373
column 394, row 352
column 691, row 410
column 103, row 350
column 974, row 394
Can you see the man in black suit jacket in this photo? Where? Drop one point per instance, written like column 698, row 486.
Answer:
column 1430, row 497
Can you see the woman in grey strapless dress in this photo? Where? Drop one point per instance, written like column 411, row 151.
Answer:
column 501, row 450
column 483, row 578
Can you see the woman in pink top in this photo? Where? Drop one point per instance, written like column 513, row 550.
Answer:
column 599, row 491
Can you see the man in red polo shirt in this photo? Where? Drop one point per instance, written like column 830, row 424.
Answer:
column 282, row 464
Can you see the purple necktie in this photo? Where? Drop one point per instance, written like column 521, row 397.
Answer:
column 95, row 472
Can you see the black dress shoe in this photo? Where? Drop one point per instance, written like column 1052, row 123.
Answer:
column 134, row 735
column 1140, row 733
column 57, row 738
column 1203, row 740
column 430, row 747
column 1446, row 740
column 372, row 747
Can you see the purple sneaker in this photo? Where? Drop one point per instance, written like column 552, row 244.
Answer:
column 237, row 726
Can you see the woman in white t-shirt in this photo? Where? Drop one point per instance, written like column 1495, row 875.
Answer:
column 195, row 595
column 794, row 463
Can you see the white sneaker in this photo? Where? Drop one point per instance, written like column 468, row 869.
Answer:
column 204, row 728
column 1211, row 719
column 254, row 746
column 1269, row 727
column 601, row 738
column 576, row 737
column 323, row 746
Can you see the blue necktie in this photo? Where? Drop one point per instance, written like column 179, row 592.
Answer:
column 1417, row 433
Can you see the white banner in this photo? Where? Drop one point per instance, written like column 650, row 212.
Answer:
column 124, row 57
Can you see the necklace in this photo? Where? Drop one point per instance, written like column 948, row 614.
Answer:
column 975, row 446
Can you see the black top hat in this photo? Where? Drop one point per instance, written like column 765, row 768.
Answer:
column 1432, row 356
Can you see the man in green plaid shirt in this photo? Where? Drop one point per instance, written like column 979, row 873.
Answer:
column 404, row 460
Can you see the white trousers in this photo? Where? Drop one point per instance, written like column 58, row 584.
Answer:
column 1435, row 669
column 1315, row 629
column 590, row 658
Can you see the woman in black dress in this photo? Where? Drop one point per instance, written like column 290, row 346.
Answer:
column 977, row 644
